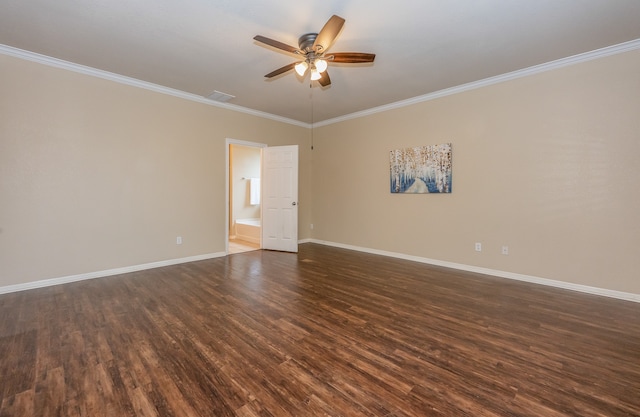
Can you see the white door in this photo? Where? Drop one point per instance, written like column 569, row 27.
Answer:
column 280, row 198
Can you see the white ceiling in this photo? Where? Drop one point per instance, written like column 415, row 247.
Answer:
column 421, row 46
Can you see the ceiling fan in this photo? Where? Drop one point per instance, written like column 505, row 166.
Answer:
column 312, row 49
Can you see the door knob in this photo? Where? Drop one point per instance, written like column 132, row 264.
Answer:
column 293, row 204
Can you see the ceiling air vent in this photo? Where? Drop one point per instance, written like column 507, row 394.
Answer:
column 220, row 96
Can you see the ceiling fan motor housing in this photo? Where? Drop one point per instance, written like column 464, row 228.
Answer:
column 305, row 42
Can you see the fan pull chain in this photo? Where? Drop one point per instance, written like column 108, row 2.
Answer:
column 311, row 96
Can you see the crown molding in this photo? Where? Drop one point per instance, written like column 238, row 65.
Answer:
column 536, row 69
column 93, row 72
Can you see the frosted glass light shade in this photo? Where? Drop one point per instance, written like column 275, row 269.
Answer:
column 321, row 65
column 315, row 74
column 301, row 68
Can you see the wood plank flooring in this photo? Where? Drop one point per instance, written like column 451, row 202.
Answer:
column 325, row 332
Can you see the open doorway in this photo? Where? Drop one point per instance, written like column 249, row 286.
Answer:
column 244, row 196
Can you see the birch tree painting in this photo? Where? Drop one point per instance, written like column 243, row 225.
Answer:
column 421, row 170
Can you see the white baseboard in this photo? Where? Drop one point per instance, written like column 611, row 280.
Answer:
column 470, row 268
column 105, row 273
column 502, row 274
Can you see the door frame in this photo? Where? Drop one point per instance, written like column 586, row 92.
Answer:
column 227, row 143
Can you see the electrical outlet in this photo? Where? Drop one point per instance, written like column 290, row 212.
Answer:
column 478, row 247
column 311, row 226
column 179, row 240
column 505, row 250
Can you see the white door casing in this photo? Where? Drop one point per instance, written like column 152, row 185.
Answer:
column 280, row 198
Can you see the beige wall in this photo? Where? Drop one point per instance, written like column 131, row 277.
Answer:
column 546, row 164
column 96, row 175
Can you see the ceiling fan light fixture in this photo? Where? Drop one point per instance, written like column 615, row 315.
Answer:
column 312, row 48
column 315, row 74
column 321, row 65
column 301, row 68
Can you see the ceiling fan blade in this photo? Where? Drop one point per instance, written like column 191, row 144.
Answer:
column 328, row 34
column 282, row 70
column 324, row 79
column 351, row 57
column 277, row 44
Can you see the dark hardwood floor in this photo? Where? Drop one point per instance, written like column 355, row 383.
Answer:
column 326, row 332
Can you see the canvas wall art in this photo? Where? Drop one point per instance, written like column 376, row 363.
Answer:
column 421, row 170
